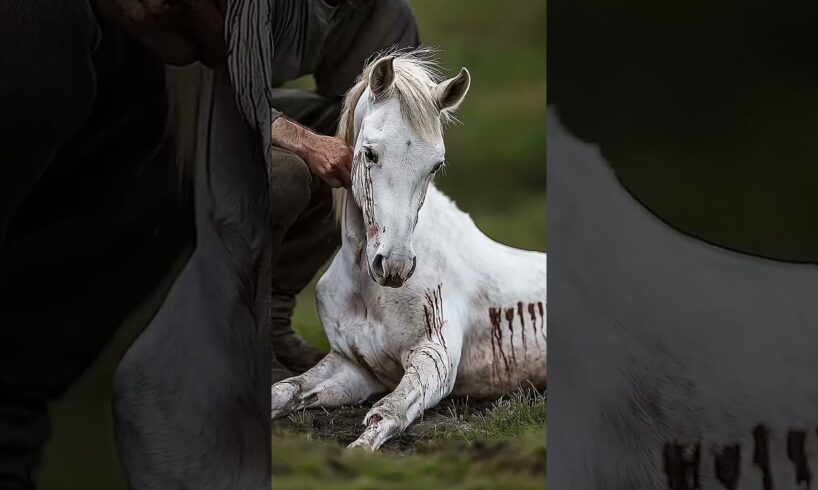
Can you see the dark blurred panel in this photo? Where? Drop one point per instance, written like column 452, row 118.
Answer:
column 707, row 110
column 672, row 363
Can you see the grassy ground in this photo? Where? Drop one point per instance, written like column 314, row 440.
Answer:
column 459, row 444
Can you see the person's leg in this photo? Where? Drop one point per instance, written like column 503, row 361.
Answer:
column 307, row 231
column 306, row 246
column 301, row 242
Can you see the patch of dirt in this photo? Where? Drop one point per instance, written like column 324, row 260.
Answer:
column 345, row 424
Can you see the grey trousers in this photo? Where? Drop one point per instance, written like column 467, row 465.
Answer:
column 303, row 223
column 304, row 229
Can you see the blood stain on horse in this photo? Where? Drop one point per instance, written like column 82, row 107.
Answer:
column 428, row 322
column 369, row 202
column 761, row 456
column 728, row 466
column 440, row 322
column 494, row 317
column 796, row 452
column 534, row 322
column 542, row 318
column 522, row 325
column 437, row 366
column 510, row 320
column 435, row 316
column 497, row 336
column 682, row 466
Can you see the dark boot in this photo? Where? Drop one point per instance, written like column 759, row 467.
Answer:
column 288, row 347
column 304, row 225
column 307, row 246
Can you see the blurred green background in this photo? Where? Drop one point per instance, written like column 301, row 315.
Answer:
column 496, row 173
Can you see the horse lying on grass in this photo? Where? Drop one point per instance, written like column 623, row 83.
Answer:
column 467, row 318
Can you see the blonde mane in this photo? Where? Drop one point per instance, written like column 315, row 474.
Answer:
column 416, row 73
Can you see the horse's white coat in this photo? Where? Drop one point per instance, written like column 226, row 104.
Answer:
column 469, row 320
column 669, row 341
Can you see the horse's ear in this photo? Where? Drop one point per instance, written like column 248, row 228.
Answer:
column 382, row 76
column 450, row 93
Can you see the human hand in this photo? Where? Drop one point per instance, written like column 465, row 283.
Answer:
column 327, row 157
column 330, row 159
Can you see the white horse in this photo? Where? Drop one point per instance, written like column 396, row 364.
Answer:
column 466, row 317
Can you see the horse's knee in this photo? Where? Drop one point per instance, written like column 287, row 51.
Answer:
column 289, row 179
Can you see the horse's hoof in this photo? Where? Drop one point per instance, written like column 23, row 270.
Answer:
column 282, row 396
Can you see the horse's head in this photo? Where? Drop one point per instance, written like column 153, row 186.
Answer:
column 398, row 122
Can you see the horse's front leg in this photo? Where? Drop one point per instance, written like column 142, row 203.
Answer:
column 333, row 382
column 429, row 377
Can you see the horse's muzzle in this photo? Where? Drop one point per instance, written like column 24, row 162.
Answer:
column 392, row 273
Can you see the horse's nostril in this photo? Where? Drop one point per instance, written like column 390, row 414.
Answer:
column 377, row 265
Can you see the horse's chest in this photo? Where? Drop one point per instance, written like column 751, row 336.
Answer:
column 372, row 346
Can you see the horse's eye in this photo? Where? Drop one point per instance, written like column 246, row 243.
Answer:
column 370, row 155
column 437, row 167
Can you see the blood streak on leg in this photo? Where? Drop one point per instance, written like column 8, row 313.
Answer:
column 440, row 321
column 431, row 308
column 428, row 322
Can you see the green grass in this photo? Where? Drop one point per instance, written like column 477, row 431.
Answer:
column 469, row 447
column 515, row 415
column 304, row 463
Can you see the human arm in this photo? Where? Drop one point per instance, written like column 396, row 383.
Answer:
column 328, row 157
